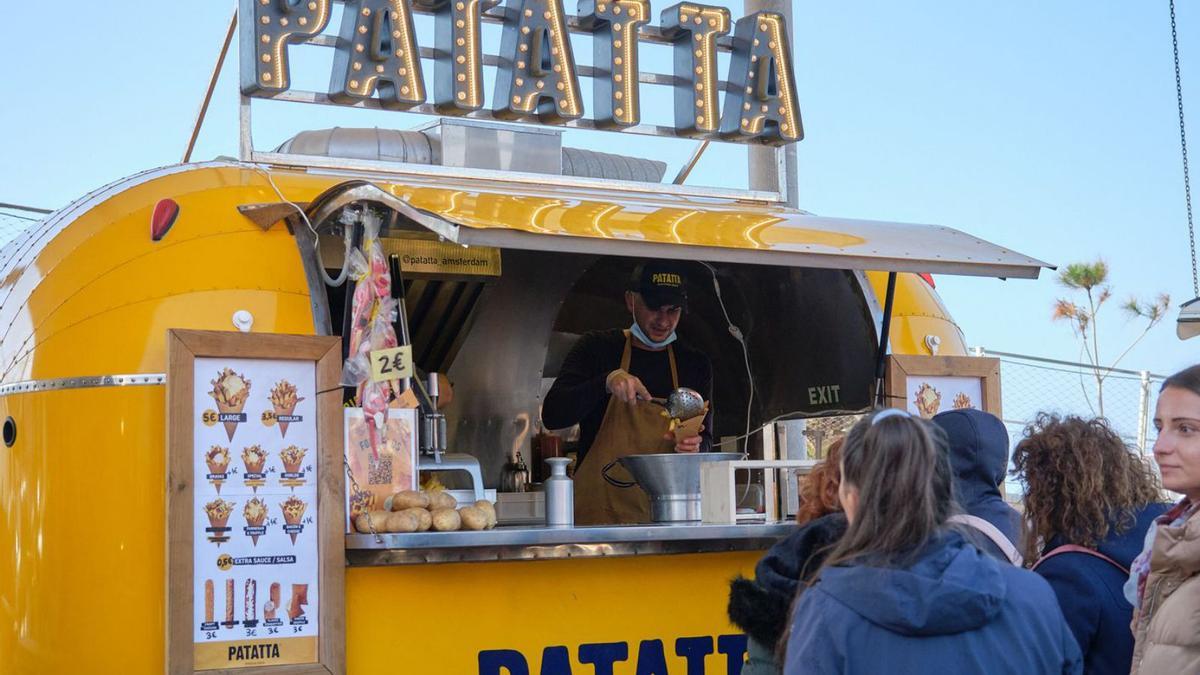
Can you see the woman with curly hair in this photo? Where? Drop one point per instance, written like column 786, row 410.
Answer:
column 1089, row 500
column 760, row 606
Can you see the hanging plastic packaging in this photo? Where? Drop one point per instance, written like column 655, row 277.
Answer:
column 372, row 318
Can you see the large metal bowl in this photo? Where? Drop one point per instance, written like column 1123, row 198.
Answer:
column 671, row 481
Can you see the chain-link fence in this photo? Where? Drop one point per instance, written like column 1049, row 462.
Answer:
column 14, row 219
column 1030, row 385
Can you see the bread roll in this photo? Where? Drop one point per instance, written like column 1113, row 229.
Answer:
column 409, row 499
column 446, row 520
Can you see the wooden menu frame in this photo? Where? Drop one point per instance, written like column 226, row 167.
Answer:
column 901, row 368
column 183, row 347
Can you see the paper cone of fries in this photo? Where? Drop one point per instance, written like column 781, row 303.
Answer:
column 255, row 513
column 292, row 458
column 280, row 410
column 284, row 397
column 293, row 512
column 256, row 522
column 230, row 427
column 292, row 520
column 230, row 392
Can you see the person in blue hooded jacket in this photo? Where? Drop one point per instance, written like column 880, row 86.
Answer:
column 906, row 592
column 1090, row 500
column 978, row 444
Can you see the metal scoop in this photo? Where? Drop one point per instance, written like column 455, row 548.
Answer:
column 682, row 403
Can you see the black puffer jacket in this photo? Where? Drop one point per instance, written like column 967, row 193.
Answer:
column 760, row 606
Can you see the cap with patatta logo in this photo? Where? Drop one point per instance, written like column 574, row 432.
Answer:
column 660, row 284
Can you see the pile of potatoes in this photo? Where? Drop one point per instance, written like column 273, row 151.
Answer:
column 420, row 511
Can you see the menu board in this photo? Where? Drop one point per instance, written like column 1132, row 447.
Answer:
column 255, row 544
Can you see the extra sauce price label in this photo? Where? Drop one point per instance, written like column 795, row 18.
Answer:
column 391, row 364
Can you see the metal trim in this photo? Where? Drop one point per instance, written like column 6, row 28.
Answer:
column 832, row 259
column 84, row 382
column 365, row 168
column 542, row 543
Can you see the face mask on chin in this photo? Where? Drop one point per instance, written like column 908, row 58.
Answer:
column 638, row 333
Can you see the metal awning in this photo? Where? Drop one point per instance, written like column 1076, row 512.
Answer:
column 551, row 218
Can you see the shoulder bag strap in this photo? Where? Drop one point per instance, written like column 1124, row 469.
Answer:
column 993, row 533
column 1075, row 548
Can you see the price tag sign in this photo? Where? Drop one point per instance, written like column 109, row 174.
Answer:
column 391, row 364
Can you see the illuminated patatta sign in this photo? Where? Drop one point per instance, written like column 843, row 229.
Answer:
column 377, row 57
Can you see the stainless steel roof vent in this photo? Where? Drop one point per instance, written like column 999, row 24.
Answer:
column 387, row 145
column 474, row 144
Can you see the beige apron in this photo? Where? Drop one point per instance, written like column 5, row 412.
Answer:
column 627, row 429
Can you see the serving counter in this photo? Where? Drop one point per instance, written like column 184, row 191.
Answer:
column 546, row 543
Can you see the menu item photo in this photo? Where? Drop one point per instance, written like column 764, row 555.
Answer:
column 255, row 513
column 217, row 460
column 230, row 391
column 293, row 512
column 284, row 397
column 218, row 511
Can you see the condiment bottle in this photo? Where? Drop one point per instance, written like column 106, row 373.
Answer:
column 560, row 494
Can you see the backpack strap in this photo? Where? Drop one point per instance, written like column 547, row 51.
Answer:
column 1075, row 548
column 993, row 533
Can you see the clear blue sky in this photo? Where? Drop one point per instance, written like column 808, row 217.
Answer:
column 1048, row 127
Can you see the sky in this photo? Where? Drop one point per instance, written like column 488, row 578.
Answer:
column 1048, row 128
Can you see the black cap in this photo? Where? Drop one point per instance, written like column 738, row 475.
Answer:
column 660, row 284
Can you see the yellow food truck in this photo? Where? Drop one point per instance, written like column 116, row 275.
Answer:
column 511, row 245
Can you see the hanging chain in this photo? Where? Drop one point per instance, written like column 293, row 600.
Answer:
column 1187, row 187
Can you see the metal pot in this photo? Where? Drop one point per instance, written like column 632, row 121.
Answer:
column 671, row 481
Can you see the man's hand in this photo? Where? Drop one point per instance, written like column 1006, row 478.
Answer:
column 626, row 387
column 690, row 444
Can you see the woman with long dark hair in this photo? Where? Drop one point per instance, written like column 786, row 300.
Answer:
column 1089, row 501
column 903, row 591
column 1164, row 584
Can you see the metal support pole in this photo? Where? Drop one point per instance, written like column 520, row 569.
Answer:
column 1143, row 411
column 774, row 169
column 884, row 335
column 212, row 84
column 690, row 164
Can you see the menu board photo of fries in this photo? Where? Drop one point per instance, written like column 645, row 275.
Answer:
column 255, row 545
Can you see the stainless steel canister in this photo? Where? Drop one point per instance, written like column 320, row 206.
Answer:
column 560, row 494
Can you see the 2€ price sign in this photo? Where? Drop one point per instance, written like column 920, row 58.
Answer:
column 391, row 364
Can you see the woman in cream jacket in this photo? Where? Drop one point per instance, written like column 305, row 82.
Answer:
column 1163, row 579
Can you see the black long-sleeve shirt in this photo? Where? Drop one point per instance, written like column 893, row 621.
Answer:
column 579, row 395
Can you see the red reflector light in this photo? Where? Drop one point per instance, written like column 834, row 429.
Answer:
column 928, row 279
column 165, row 213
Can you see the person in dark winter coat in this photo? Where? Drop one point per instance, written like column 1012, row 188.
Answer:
column 760, row 606
column 978, row 444
column 905, row 592
column 1091, row 500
